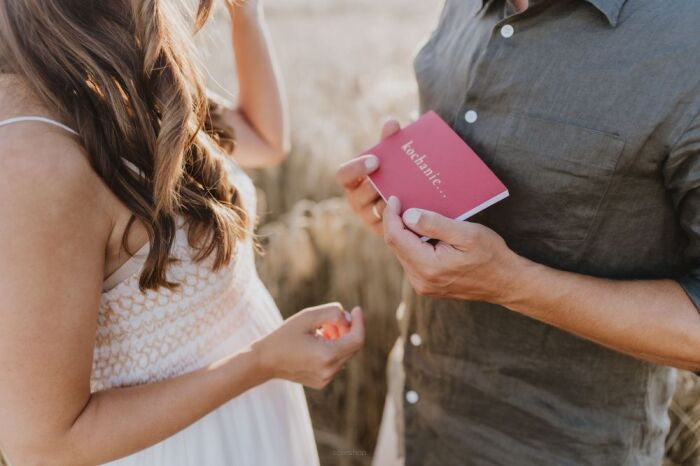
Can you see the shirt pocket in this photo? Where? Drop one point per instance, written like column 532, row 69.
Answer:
column 557, row 173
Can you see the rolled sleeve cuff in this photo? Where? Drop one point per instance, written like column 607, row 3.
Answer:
column 691, row 285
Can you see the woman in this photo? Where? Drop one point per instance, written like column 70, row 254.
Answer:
column 108, row 145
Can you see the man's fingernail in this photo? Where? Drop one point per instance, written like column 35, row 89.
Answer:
column 411, row 216
column 371, row 162
column 393, row 202
column 348, row 316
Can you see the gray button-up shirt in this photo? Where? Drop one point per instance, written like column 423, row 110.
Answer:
column 589, row 111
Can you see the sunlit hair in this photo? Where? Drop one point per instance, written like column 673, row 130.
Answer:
column 123, row 74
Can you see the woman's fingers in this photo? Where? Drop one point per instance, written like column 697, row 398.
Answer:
column 347, row 338
column 336, row 329
column 311, row 346
column 329, row 331
column 314, row 317
column 353, row 340
column 329, row 321
column 336, row 352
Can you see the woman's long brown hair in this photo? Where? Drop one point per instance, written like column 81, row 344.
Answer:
column 124, row 75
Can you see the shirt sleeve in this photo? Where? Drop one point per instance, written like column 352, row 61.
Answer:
column 681, row 173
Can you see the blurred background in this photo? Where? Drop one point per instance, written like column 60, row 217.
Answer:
column 348, row 66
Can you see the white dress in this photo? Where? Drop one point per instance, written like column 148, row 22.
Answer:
column 145, row 337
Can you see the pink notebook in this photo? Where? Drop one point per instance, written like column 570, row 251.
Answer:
column 428, row 166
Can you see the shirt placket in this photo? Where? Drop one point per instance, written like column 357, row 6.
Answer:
column 503, row 32
column 466, row 124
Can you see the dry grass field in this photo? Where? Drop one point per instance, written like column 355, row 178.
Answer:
column 348, row 65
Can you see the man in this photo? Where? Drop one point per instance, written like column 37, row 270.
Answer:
column 542, row 331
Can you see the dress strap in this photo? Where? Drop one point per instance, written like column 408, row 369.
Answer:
column 41, row 119
column 57, row 124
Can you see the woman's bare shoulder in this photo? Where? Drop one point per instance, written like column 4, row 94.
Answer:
column 39, row 162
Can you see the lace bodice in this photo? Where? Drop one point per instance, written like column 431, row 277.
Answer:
column 142, row 337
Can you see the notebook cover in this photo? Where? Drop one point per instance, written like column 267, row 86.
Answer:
column 428, row 166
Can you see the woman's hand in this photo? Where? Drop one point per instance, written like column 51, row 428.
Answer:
column 242, row 4
column 312, row 345
column 362, row 197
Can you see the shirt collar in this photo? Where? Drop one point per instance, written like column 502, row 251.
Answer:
column 610, row 8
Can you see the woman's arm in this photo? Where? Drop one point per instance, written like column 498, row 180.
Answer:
column 115, row 423
column 118, row 422
column 53, row 233
column 260, row 121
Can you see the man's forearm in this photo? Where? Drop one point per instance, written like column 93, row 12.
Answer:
column 649, row 319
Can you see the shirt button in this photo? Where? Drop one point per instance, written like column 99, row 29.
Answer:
column 416, row 340
column 412, row 397
column 507, row 31
column 471, row 116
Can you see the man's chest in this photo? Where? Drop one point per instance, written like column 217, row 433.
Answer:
column 573, row 115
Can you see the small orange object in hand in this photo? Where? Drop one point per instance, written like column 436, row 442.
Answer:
column 334, row 330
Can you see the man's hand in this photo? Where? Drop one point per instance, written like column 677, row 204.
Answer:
column 471, row 261
column 362, row 197
column 649, row 319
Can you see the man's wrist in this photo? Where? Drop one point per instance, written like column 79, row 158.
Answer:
column 524, row 275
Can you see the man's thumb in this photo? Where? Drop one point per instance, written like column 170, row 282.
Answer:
column 436, row 226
